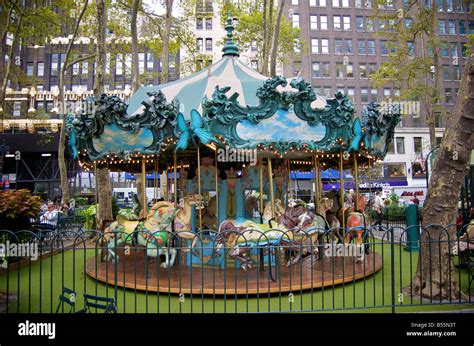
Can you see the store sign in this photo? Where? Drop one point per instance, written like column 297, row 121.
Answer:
column 367, row 185
column 419, row 193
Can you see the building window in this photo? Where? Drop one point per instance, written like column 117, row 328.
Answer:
column 316, row 70
column 295, row 2
column 199, row 24
column 141, row 63
column 313, row 19
column 118, row 65
column 253, row 46
column 296, row 68
column 40, row 72
column 411, row 47
column 452, row 27
column 370, row 25
column 348, row 46
column 351, row 94
column 418, row 170
column 208, row 23
column 350, row 70
column 408, row 22
column 338, row 46
column 454, row 49
column 440, row 5
column 387, row 93
column 254, row 65
column 312, row 3
column 438, row 119
column 208, row 44
column 383, row 48
column 326, row 70
column 325, row 45
column 347, row 23
column 16, row 108
column 335, row 3
column 360, row 23
column 446, row 72
column 339, row 73
column 417, row 145
column 364, row 95
column 462, row 27
column 361, row 47
column 314, row 45
column 358, row 3
column 324, row 22
column 149, row 61
column 296, row 21
column 449, row 6
column 199, row 44
column 85, row 69
column 128, row 64
column 456, row 73
column 396, row 170
column 323, row 3
column 371, row 47
column 444, row 49
column 337, row 22
column 30, row 67
column 373, row 94
column 448, row 94
column 442, row 26
column 345, row 3
column 471, row 27
column 40, row 87
column 54, row 64
column 400, row 143
column 362, row 70
column 372, row 68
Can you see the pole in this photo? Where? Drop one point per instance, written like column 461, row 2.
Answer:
column 175, row 179
column 216, row 176
column 199, row 186
column 341, row 190
column 155, row 180
column 356, row 178
column 272, row 197
column 96, row 197
column 261, row 190
column 316, row 186
column 144, row 203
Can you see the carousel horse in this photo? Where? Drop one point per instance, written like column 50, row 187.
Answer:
column 153, row 233
column 267, row 211
column 297, row 228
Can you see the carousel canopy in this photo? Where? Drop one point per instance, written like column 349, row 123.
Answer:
column 229, row 104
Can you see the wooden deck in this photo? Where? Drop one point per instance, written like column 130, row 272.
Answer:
column 134, row 273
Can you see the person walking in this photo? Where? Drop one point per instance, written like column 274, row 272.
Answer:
column 378, row 207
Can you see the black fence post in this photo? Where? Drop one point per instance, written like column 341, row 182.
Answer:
column 392, row 267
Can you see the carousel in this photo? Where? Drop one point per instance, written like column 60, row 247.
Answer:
column 224, row 143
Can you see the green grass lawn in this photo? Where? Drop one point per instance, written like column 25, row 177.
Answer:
column 40, row 284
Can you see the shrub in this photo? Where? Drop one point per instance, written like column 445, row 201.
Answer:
column 19, row 203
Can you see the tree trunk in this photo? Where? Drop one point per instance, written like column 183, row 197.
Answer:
column 65, row 195
column 134, row 31
column 104, row 190
column 8, row 68
column 165, row 61
column 264, row 67
column 435, row 278
column 276, row 36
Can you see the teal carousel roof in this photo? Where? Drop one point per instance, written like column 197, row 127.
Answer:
column 230, row 104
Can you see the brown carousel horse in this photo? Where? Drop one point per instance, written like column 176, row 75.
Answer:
column 296, row 229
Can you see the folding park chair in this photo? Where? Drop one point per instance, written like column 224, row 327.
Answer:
column 67, row 297
column 101, row 303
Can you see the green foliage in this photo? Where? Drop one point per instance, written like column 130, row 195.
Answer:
column 90, row 216
column 115, row 207
column 249, row 29
column 394, row 197
column 19, row 203
column 81, row 201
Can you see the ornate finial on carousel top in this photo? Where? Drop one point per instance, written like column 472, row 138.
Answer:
column 230, row 48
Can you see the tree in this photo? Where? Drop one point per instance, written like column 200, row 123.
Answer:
column 257, row 24
column 417, row 77
column 62, row 109
column 166, row 42
column 435, row 277
column 103, row 187
column 276, row 35
column 29, row 25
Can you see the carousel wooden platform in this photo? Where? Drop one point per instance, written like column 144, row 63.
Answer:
column 134, row 273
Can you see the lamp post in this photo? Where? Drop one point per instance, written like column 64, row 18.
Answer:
column 426, row 163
